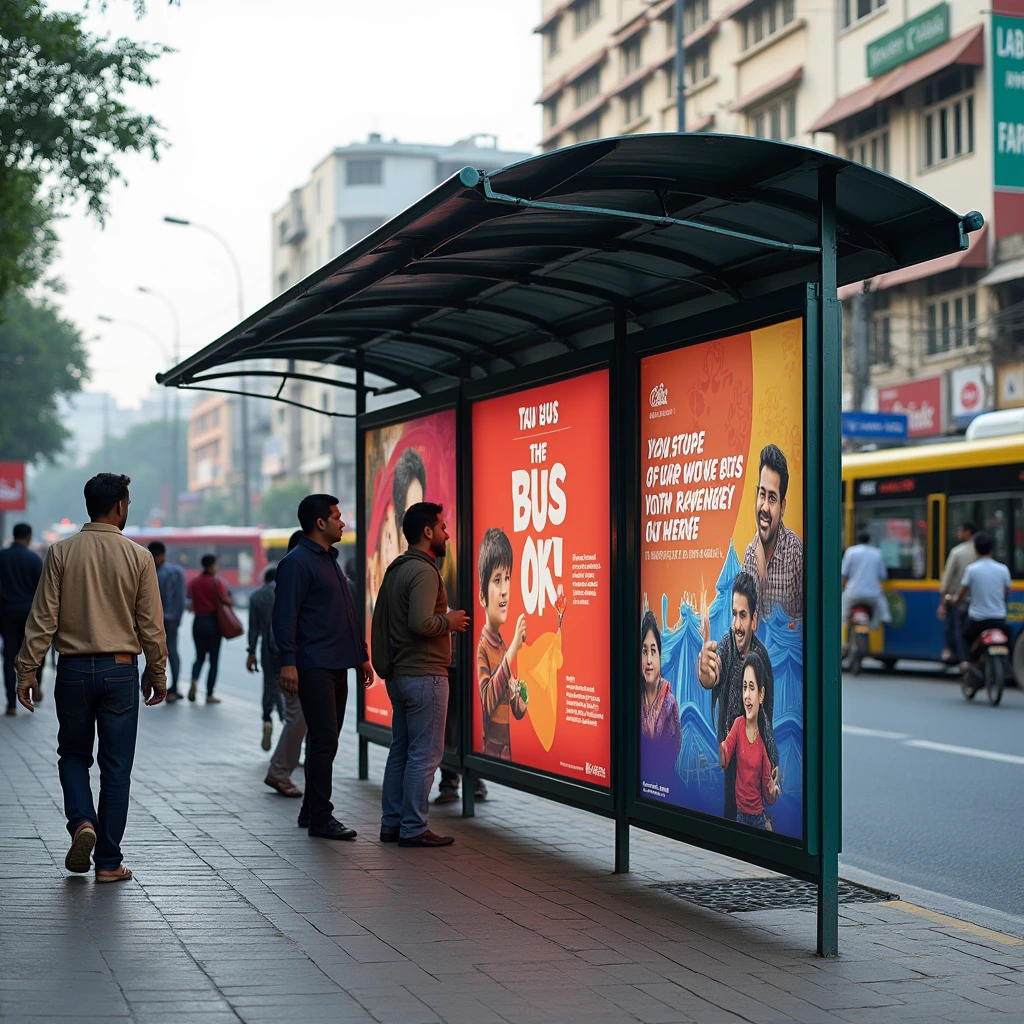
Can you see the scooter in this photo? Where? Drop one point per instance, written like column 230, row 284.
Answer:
column 989, row 666
column 860, row 634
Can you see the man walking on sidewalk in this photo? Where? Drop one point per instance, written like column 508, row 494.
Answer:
column 99, row 595
column 412, row 650
column 318, row 635
column 20, row 569
column 173, row 591
column 261, row 610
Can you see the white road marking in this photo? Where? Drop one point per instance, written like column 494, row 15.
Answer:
column 880, row 734
column 947, row 748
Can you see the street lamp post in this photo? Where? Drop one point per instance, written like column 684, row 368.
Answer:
column 680, row 68
column 172, row 509
column 243, row 401
column 176, row 355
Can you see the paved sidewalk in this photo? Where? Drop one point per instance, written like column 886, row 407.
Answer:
column 236, row 915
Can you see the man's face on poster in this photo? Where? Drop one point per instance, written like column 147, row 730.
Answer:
column 770, row 508
column 743, row 623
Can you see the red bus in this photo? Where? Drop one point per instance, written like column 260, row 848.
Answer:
column 240, row 555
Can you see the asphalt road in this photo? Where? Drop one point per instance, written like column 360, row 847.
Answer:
column 933, row 786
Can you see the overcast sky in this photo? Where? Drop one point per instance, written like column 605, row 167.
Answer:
column 258, row 92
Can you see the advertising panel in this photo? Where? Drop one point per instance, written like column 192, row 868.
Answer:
column 541, row 539
column 720, row 641
column 921, row 400
column 405, row 463
column 12, row 486
column 970, row 392
column 1008, row 101
column 1010, row 386
column 910, row 40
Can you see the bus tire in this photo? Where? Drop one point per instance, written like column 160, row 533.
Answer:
column 889, row 663
column 1018, row 661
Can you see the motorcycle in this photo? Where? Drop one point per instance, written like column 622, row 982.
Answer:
column 989, row 666
column 860, row 635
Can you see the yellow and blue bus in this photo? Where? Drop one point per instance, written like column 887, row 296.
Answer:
column 912, row 500
column 275, row 544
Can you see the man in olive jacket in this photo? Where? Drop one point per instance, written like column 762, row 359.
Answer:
column 412, row 612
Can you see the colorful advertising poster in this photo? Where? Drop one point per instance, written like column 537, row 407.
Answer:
column 541, row 611
column 405, row 463
column 720, row 644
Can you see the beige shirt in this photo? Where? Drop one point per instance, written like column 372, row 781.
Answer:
column 959, row 558
column 99, row 595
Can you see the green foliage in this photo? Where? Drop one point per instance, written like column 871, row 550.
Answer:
column 42, row 357
column 63, row 123
column 278, row 507
column 144, row 453
column 216, row 510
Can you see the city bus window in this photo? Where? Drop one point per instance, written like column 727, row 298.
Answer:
column 188, row 556
column 958, row 510
column 1018, row 537
column 900, row 532
column 227, row 556
column 993, row 520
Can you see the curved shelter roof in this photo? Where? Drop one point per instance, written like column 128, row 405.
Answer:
column 497, row 270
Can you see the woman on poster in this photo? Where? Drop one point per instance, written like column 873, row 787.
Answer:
column 659, row 713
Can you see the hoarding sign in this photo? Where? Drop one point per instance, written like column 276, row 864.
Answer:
column 405, row 463
column 910, row 40
column 12, row 486
column 1008, row 101
column 1010, row 385
column 541, row 538
column 970, row 389
column 720, row 640
column 920, row 400
column 891, row 426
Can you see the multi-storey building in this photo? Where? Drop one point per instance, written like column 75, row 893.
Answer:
column 932, row 94
column 352, row 191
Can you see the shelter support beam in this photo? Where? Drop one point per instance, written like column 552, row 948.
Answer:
column 364, row 743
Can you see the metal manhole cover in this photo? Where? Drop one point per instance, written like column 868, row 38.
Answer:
column 747, row 895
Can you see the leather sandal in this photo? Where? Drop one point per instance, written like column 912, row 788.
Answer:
column 79, row 856
column 122, row 874
column 285, row 787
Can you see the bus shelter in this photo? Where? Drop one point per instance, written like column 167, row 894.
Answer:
column 619, row 367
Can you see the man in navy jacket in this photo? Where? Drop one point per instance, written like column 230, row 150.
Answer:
column 20, row 569
column 317, row 632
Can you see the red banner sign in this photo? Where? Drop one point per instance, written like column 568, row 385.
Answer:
column 12, row 486
column 920, row 401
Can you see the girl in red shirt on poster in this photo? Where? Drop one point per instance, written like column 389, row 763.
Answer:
column 756, row 781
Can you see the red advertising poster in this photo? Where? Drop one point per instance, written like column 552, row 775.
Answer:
column 920, row 401
column 541, row 526
column 720, row 638
column 405, row 463
column 12, row 486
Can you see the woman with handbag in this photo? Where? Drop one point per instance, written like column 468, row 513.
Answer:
column 214, row 619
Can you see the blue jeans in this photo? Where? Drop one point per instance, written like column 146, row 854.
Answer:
column 419, row 705
column 756, row 820
column 95, row 693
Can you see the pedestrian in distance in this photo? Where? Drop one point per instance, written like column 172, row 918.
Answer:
column 100, row 597
column 317, row 632
column 412, row 650
column 289, row 744
column 205, row 593
column 20, row 570
column 261, row 633
column 173, row 595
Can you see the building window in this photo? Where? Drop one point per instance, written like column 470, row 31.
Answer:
column 775, row 120
column 632, row 55
column 282, row 282
column 952, row 322
column 633, row 99
column 868, row 139
column 551, row 39
column 282, row 232
column 698, row 64
column 551, row 112
column 588, row 87
column 879, row 342
column 695, row 14
column 766, row 19
column 854, row 10
column 948, row 117
column 318, row 197
column 587, row 12
column 363, row 172
column 587, row 129
column 357, row 228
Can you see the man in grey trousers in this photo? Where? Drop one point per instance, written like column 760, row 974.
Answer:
column 412, row 614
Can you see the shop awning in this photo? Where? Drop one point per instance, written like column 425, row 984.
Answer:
column 1003, row 273
column 555, row 13
column 493, row 270
column 769, row 89
column 968, row 48
column 975, row 255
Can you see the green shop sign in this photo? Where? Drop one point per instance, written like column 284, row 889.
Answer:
column 1008, row 101
column 910, row 40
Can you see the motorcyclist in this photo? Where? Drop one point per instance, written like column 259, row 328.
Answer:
column 986, row 583
column 948, row 611
column 863, row 573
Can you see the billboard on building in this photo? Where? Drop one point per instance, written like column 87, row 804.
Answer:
column 541, row 540
column 921, row 400
column 1008, row 101
column 720, row 632
column 405, row 463
column 1010, row 386
column 12, row 486
column 970, row 392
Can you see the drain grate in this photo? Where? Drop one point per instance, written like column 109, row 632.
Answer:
column 746, row 895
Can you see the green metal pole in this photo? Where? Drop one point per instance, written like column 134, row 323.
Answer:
column 680, row 67
column 361, row 482
column 830, row 786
